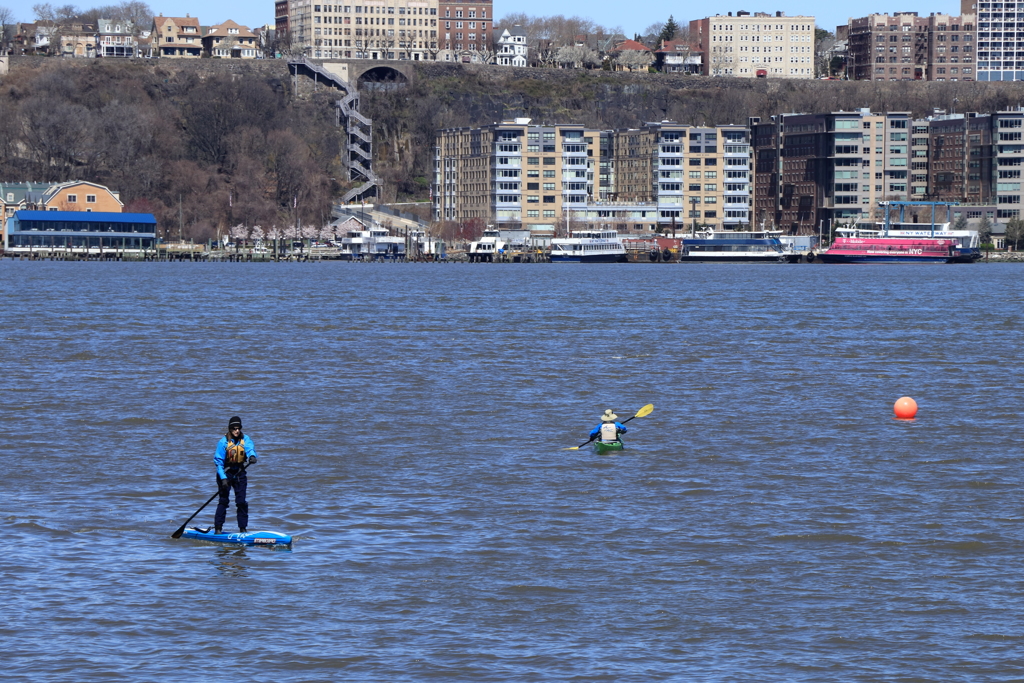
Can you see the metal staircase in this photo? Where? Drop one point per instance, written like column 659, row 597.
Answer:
column 358, row 130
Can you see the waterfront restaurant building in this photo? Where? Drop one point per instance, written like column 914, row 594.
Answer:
column 80, row 231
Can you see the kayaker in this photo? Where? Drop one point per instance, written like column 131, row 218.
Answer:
column 234, row 450
column 609, row 429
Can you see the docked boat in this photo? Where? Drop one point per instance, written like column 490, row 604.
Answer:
column 601, row 447
column 423, row 245
column 487, row 247
column 731, row 246
column 904, row 245
column 888, row 250
column 375, row 243
column 589, row 246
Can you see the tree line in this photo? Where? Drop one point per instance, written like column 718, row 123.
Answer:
column 245, row 150
column 200, row 154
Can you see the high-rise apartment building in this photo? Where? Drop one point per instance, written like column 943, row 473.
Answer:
column 811, row 169
column 465, row 31
column 659, row 175
column 689, row 172
column 376, row 29
column 1000, row 38
column 758, row 45
column 514, row 173
column 906, row 47
column 281, row 27
column 961, row 157
column 976, row 159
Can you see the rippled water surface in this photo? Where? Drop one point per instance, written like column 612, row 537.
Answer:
column 770, row 520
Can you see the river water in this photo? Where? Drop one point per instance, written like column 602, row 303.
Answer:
column 770, row 519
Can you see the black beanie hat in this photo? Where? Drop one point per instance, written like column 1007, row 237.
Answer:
column 234, row 421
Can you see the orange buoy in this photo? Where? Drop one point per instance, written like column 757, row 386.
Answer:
column 905, row 408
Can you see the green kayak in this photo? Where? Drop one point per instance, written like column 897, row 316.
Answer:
column 607, row 446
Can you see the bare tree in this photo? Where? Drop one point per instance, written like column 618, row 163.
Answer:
column 824, row 42
column 92, row 16
column 58, row 134
column 431, row 49
column 544, row 35
column 577, row 56
column 634, row 59
column 138, row 15
column 6, row 25
column 57, row 20
column 485, row 55
column 654, row 29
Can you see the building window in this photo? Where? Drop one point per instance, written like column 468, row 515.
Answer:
column 72, row 199
column 90, row 199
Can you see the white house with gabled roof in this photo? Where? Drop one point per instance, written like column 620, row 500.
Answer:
column 512, row 47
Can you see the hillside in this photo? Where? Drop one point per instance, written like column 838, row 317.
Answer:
column 235, row 142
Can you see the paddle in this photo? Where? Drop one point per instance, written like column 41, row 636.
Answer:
column 646, row 410
column 181, row 529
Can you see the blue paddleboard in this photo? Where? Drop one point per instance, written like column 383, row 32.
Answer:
column 249, row 538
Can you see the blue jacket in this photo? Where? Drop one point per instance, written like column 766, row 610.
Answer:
column 597, row 430
column 222, row 451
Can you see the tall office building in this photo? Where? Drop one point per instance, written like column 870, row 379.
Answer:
column 758, row 45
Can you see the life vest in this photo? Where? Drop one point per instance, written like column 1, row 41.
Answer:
column 609, row 432
column 234, row 452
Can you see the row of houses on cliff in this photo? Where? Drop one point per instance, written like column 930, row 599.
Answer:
column 974, row 45
column 177, row 37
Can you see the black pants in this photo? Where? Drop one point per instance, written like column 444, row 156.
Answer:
column 237, row 481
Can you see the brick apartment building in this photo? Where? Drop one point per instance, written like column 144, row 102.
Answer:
column 907, row 47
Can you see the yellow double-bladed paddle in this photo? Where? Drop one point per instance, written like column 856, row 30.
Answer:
column 646, row 410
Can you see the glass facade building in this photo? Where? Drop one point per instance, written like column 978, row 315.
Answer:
column 80, row 230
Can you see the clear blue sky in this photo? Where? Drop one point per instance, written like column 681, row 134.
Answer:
column 605, row 12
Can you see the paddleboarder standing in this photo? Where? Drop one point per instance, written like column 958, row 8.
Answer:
column 609, row 429
column 234, row 451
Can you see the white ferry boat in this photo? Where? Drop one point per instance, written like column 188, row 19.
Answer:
column 731, row 246
column 589, row 246
column 374, row 243
column 487, row 247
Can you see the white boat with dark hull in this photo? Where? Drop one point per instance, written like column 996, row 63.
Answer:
column 730, row 246
column 371, row 244
column 489, row 246
column 589, row 246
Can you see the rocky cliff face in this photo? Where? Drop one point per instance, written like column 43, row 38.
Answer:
column 443, row 95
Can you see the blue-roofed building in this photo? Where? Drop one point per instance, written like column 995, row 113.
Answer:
column 84, row 232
